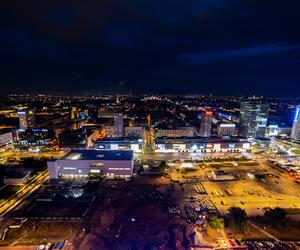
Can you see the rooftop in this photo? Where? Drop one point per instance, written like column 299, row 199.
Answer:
column 93, row 154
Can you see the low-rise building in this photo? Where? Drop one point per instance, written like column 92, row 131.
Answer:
column 16, row 176
column 85, row 163
column 179, row 132
column 202, row 145
column 221, row 175
column 76, row 139
column 6, row 139
column 136, row 132
column 134, row 144
column 28, row 138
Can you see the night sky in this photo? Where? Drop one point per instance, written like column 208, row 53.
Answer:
column 151, row 46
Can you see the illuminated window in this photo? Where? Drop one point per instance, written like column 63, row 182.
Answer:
column 96, row 164
column 95, row 171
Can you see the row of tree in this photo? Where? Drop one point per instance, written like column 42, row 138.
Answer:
column 237, row 218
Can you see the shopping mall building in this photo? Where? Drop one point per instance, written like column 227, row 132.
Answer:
column 202, row 144
column 85, row 163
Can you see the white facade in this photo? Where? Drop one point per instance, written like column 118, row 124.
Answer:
column 84, row 163
column 272, row 130
column 226, row 129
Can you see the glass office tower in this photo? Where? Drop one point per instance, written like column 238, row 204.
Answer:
column 253, row 119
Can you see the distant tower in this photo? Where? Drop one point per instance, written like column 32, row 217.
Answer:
column 74, row 113
column 118, row 101
column 148, row 120
column 296, row 125
column 148, row 136
column 26, row 119
column 253, row 119
column 205, row 127
column 118, row 125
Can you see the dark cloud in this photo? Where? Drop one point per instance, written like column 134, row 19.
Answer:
column 212, row 56
column 218, row 46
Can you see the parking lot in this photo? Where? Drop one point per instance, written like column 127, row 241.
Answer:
column 142, row 215
column 254, row 194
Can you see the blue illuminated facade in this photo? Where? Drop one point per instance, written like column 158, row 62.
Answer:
column 296, row 125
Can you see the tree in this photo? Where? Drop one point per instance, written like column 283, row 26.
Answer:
column 216, row 222
column 162, row 166
column 237, row 218
column 275, row 216
column 35, row 164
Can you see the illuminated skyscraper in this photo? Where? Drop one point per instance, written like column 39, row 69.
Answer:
column 253, row 119
column 118, row 125
column 296, row 125
column 205, row 127
column 26, row 119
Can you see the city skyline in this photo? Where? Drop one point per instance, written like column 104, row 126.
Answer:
column 146, row 125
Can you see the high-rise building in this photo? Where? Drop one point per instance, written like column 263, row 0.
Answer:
column 26, row 119
column 118, row 125
column 205, row 127
column 253, row 119
column 226, row 129
column 74, row 113
column 296, row 125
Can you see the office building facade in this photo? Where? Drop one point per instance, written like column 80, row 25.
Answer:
column 205, row 127
column 118, row 125
column 226, row 129
column 253, row 119
column 295, row 135
column 26, row 119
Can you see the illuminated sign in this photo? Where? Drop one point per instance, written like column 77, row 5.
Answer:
column 225, row 116
column 114, row 146
column 161, row 146
column 95, row 171
column 135, row 147
column 231, row 145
